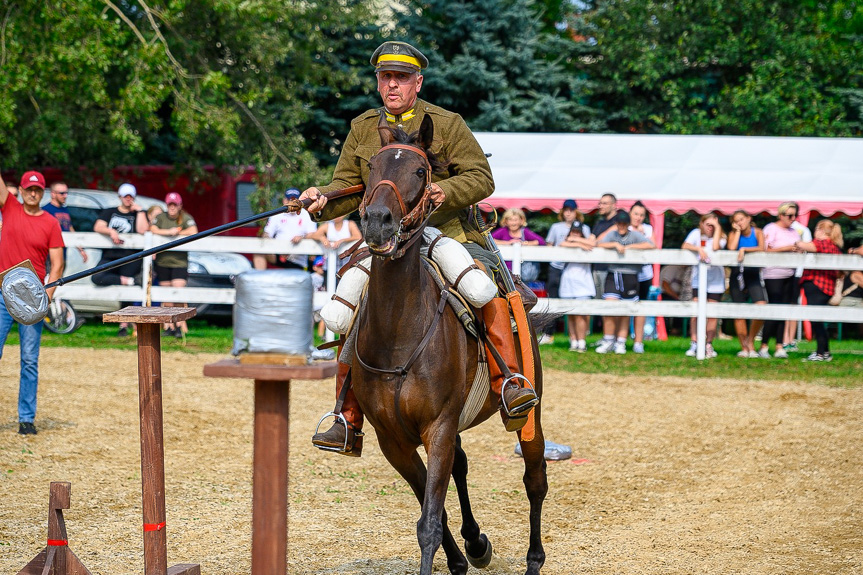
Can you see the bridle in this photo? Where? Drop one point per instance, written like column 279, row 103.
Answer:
column 407, row 232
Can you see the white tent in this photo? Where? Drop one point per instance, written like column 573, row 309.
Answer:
column 677, row 173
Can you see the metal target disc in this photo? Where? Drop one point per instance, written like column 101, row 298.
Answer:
column 25, row 296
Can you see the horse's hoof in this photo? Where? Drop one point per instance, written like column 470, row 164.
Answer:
column 480, row 562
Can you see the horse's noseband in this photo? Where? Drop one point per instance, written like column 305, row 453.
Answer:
column 420, row 212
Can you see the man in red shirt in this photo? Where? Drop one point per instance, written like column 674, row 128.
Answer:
column 29, row 233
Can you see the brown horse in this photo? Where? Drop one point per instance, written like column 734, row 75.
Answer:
column 414, row 363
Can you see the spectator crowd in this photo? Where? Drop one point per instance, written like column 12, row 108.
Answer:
column 623, row 230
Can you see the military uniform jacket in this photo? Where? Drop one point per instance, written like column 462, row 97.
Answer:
column 468, row 178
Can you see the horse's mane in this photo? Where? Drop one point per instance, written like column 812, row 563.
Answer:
column 438, row 164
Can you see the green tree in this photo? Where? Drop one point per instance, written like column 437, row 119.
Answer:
column 752, row 67
column 97, row 83
column 492, row 62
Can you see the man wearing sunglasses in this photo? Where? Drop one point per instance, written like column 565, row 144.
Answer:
column 57, row 208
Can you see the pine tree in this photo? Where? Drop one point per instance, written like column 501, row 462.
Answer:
column 491, row 61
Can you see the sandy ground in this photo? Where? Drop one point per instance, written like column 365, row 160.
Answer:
column 668, row 476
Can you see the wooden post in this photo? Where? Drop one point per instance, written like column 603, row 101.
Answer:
column 270, row 460
column 56, row 558
column 149, row 321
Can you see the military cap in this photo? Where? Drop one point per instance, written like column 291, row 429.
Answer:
column 398, row 56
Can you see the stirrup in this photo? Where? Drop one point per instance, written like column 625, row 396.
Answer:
column 351, row 434
column 519, row 409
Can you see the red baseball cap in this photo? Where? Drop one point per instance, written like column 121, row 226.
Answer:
column 30, row 179
column 174, row 198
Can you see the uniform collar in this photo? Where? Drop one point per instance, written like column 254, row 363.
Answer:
column 399, row 118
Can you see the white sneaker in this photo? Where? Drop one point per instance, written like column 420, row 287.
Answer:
column 708, row 351
column 780, row 354
column 753, row 354
column 744, row 353
column 573, row 346
column 620, row 348
column 605, row 346
column 764, row 353
column 546, row 339
column 693, row 349
column 638, row 347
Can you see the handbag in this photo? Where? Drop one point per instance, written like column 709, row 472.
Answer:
column 838, row 292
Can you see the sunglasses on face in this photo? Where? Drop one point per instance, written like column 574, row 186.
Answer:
column 792, row 216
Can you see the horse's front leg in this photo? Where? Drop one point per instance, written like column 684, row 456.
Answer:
column 410, row 466
column 440, row 447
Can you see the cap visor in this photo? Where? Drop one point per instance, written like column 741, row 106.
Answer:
column 397, row 67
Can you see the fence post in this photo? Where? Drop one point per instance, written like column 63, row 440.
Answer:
column 516, row 258
column 146, row 269
column 701, row 316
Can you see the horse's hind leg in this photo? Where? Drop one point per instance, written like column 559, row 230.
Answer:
column 410, row 466
column 476, row 544
column 536, row 486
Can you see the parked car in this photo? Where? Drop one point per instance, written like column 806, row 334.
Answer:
column 206, row 269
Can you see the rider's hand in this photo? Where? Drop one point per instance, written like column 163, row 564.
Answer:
column 437, row 195
column 318, row 200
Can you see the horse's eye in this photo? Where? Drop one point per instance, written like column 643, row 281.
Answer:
column 421, row 173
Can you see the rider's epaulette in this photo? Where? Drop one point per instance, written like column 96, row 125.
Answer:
column 436, row 111
column 372, row 114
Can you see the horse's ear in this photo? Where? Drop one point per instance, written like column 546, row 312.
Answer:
column 426, row 134
column 387, row 136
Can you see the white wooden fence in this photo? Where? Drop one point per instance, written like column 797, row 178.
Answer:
column 515, row 253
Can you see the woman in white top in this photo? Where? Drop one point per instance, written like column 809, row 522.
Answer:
column 336, row 233
column 706, row 239
column 637, row 218
column 576, row 282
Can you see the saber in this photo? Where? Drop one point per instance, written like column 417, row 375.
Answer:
column 27, row 300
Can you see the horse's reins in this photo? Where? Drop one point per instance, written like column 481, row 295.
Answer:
column 423, row 211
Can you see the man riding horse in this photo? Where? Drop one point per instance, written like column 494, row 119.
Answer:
column 468, row 180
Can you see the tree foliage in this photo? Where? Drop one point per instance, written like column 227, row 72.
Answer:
column 493, row 62
column 100, row 83
column 751, row 67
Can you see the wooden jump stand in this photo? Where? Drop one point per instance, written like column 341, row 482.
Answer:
column 149, row 322
column 56, row 558
column 270, row 463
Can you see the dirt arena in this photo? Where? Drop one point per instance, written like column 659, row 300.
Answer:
column 668, row 476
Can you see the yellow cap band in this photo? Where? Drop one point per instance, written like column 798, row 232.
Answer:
column 398, row 58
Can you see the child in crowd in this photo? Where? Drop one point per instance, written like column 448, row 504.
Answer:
column 706, row 239
column 621, row 283
column 576, row 282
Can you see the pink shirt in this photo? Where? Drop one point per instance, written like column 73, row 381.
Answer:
column 775, row 236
